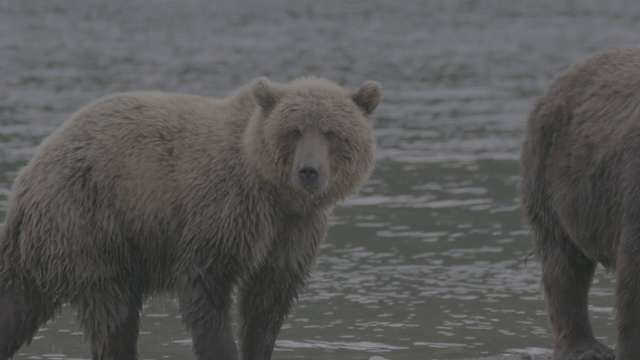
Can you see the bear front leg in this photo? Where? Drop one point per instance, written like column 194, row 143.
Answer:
column 566, row 279
column 205, row 307
column 628, row 294
column 110, row 315
column 265, row 299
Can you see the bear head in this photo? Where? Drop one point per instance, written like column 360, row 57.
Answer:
column 311, row 140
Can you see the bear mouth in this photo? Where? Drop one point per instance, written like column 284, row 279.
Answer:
column 311, row 189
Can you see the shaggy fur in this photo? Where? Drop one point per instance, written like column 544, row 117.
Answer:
column 142, row 193
column 581, row 194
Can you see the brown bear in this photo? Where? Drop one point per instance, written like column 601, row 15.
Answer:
column 144, row 193
column 581, row 195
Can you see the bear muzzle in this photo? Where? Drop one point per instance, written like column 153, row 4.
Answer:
column 310, row 169
column 310, row 177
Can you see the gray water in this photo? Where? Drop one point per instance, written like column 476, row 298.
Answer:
column 427, row 261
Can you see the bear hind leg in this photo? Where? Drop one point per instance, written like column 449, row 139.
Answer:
column 628, row 294
column 566, row 278
column 22, row 312
column 111, row 320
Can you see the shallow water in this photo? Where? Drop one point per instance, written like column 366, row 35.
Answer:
column 427, row 261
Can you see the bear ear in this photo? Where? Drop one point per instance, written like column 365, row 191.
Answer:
column 368, row 96
column 265, row 93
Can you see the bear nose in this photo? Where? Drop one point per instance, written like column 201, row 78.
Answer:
column 309, row 176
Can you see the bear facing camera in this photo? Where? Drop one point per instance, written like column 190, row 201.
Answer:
column 145, row 193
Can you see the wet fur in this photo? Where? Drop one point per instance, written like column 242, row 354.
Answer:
column 581, row 195
column 143, row 193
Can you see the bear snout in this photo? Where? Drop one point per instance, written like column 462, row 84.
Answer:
column 309, row 177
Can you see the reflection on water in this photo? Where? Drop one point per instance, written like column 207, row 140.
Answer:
column 428, row 261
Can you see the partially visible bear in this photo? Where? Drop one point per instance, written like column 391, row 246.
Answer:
column 142, row 193
column 581, row 194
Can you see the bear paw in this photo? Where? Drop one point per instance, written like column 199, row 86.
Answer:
column 591, row 350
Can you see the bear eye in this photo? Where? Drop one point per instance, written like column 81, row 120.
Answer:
column 295, row 134
column 330, row 135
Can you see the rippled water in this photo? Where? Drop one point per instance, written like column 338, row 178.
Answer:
column 427, row 262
